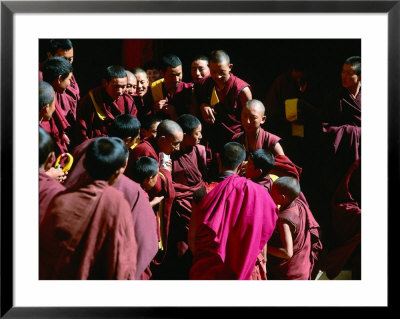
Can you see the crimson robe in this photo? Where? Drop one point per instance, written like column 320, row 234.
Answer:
column 346, row 223
column 87, row 233
column 48, row 188
column 231, row 224
column 265, row 140
column 89, row 123
column 60, row 145
column 143, row 218
column 144, row 105
column 306, row 245
column 228, row 118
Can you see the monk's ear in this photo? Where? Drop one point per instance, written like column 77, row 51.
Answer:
column 258, row 172
column 263, row 119
column 59, row 79
column 230, row 66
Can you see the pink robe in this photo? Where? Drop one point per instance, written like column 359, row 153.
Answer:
column 231, row 224
column 306, row 245
column 88, row 234
column 48, row 188
column 143, row 218
column 89, row 124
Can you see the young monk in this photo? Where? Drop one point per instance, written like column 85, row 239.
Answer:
column 98, row 109
column 199, row 68
column 87, row 233
column 48, row 186
column 294, row 248
column 152, row 70
column 149, row 127
column 221, row 98
column 231, row 225
column 58, row 72
column 259, row 164
column 254, row 136
column 143, row 98
column 125, row 127
column 171, row 96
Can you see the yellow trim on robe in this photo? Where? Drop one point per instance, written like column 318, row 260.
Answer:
column 136, row 144
column 297, row 130
column 214, row 97
column 157, row 90
column 99, row 111
column 160, row 220
column 291, row 109
column 273, row 177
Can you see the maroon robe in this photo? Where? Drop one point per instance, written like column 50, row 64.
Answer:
column 306, row 245
column 231, row 226
column 143, row 218
column 88, row 234
column 48, row 188
column 144, row 105
column 265, row 140
column 346, row 223
column 89, row 124
column 227, row 120
column 60, row 145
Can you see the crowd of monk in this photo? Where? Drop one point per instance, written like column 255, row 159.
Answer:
column 200, row 180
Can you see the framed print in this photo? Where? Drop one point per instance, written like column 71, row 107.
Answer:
column 372, row 25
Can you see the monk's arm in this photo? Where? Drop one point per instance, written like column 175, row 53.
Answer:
column 286, row 251
column 245, row 96
column 278, row 150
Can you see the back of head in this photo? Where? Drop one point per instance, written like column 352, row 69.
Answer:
column 46, row 94
column 129, row 74
column 114, row 71
column 55, row 67
column 200, row 57
column 219, row 56
column 145, row 167
column 138, row 70
column 288, row 186
column 149, row 121
column 125, row 125
column 168, row 128
column 263, row 159
column 46, row 146
column 188, row 123
column 232, row 155
column 55, row 44
column 105, row 156
column 354, row 61
column 170, row 60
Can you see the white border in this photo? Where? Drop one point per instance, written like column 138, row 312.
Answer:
column 371, row 291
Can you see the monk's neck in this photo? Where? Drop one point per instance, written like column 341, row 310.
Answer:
column 355, row 90
column 186, row 148
column 252, row 135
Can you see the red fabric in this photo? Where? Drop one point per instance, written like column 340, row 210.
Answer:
column 232, row 224
column 265, row 140
column 143, row 218
column 88, row 122
column 285, row 167
column 136, row 52
column 48, row 188
column 57, row 136
column 259, row 271
column 88, row 234
column 306, row 244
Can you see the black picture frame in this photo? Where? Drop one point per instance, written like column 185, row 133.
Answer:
column 9, row 8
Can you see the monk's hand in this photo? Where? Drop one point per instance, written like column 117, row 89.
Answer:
column 66, row 139
column 159, row 105
column 208, row 113
column 156, row 200
column 168, row 165
column 57, row 174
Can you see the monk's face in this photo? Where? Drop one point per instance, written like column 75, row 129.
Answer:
column 142, row 83
column 66, row 54
column 49, row 110
column 220, row 72
column 151, row 132
column 131, row 86
column 195, row 137
column 250, row 170
column 150, row 182
column 171, row 143
column 60, row 84
column 172, row 78
column 153, row 75
column 350, row 79
column 116, row 87
column 252, row 118
column 199, row 69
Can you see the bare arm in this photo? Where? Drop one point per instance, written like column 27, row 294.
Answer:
column 278, row 150
column 245, row 96
column 286, row 251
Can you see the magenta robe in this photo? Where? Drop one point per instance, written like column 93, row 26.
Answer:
column 89, row 124
column 48, row 188
column 88, row 234
column 306, row 244
column 231, row 224
column 143, row 218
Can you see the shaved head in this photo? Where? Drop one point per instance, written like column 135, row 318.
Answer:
column 169, row 136
column 130, row 75
column 257, row 105
column 168, row 128
column 287, row 186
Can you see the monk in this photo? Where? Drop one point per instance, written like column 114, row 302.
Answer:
column 68, row 101
column 221, row 98
column 98, row 109
column 168, row 139
column 259, row 163
column 199, row 68
column 152, row 69
column 254, row 136
column 172, row 97
column 125, row 127
column 232, row 224
column 149, row 127
column 87, row 232
column 131, row 83
column 58, row 72
column 142, row 97
column 48, row 185
column 294, row 248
